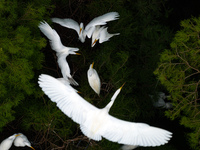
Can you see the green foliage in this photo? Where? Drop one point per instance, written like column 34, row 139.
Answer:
column 178, row 71
column 19, row 52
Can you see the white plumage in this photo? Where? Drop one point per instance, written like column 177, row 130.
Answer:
column 61, row 51
column 21, row 141
column 7, row 143
column 93, row 79
column 89, row 29
column 160, row 101
column 101, row 34
column 96, row 123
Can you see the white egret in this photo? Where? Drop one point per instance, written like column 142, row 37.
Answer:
column 101, row 34
column 22, row 141
column 61, row 51
column 7, row 143
column 65, row 70
column 88, row 30
column 160, row 102
column 96, row 123
column 93, row 79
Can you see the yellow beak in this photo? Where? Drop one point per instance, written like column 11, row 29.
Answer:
column 80, row 30
column 92, row 65
column 122, row 86
column 78, row 54
column 32, row 148
column 94, row 41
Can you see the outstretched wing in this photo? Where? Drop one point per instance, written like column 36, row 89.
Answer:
column 105, row 36
column 68, row 23
column 131, row 133
column 101, row 20
column 52, row 35
column 66, row 98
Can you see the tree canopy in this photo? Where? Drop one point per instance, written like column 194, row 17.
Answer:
column 178, row 71
column 130, row 57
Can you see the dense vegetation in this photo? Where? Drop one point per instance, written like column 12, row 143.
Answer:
column 130, row 57
column 179, row 73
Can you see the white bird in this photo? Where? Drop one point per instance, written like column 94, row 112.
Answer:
column 93, row 79
column 66, row 83
column 22, row 141
column 96, row 123
column 101, row 34
column 128, row 147
column 161, row 101
column 7, row 143
column 65, row 70
column 82, row 33
column 61, row 51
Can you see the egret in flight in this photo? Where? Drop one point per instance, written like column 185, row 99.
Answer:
column 101, row 34
column 90, row 27
column 22, row 141
column 61, row 51
column 93, row 79
column 96, row 123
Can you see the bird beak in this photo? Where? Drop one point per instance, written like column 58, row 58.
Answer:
column 78, row 54
column 122, row 86
column 94, row 41
column 80, row 30
column 17, row 135
column 92, row 65
column 32, row 148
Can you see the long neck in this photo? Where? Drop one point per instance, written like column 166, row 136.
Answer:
column 109, row 105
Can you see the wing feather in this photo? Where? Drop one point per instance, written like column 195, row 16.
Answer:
column 131, row 133
column 66, row 98
column 68, row 23
column 101, row 20
column 52, row 35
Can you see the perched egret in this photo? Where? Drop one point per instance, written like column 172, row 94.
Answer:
column 96, row 123
column 160, row 102
column 93, row 79
column 61, row 51
column 22, row 141
column 101, row 34
column 7, row 143
column 88, row 30
column 128, row 147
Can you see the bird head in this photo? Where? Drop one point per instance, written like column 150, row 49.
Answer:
column 92, row 65
column 81, row 28
column 94, row 42
column 73, row 51
column 116, row 93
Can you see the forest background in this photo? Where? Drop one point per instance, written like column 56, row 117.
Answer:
column 157, row 51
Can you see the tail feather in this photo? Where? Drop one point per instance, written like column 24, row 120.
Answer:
column 72, row 81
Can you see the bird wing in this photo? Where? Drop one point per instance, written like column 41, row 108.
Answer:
column 105, row 36
column 131, row 133
column 101, row 20
column 52, row 35
column 69, row 23
column 66, row 98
